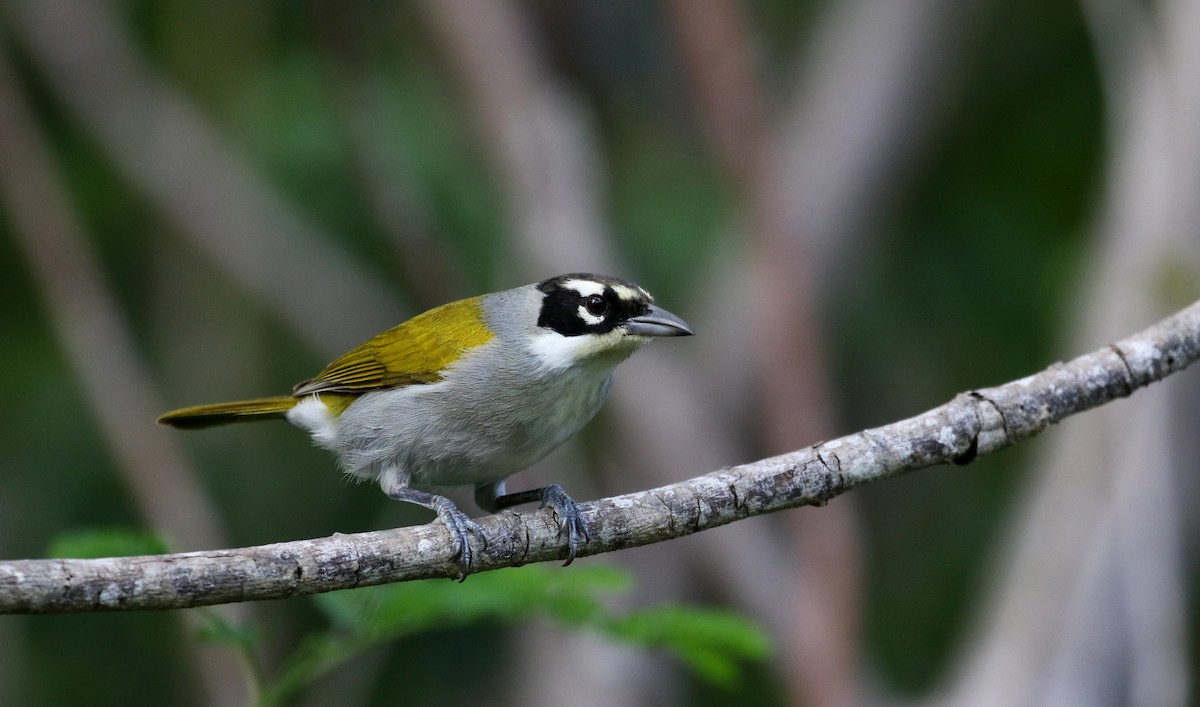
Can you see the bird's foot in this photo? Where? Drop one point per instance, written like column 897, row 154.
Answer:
column 570, row 520
column 457, row 522
column 459, row 525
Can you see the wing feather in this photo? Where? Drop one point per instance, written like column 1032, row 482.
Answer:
column 411, row 353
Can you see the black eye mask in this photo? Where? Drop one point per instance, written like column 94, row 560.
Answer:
column 563, row 307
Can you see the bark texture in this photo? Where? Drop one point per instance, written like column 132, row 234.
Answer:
column 974, row 423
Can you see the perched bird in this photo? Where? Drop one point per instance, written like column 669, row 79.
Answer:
column 469, row 393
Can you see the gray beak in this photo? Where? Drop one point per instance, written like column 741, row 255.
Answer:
column 658, row 322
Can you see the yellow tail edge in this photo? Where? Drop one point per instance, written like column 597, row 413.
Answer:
column 201, row 416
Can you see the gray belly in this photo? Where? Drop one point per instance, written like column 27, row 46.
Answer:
column 439, row 434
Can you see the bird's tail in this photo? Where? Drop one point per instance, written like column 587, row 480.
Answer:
column 201, row 416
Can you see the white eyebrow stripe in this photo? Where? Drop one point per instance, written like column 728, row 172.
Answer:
column 630, row 294
column 585, row 287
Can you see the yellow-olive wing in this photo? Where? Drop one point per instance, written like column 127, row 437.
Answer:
column 413, row 352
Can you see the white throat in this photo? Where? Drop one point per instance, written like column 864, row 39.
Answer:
column 556, row 352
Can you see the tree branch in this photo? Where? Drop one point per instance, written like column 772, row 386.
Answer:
column 972, row 424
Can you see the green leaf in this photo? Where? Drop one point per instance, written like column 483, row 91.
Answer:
column 216, row 630
column 317, row 655
column 710, row 641
column 505, row 595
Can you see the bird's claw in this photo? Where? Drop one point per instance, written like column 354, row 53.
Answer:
column 460, row 526
column 570, row 520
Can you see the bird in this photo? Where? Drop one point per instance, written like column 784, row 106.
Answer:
column 467, row 394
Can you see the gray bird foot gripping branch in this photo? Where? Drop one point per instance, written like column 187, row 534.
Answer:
column 570, row 520
column 460, row 525
column 457, row 522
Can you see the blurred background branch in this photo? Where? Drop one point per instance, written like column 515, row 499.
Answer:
column 1081, row 610
column 88, row 322
column 862, row 207
column 166, row 148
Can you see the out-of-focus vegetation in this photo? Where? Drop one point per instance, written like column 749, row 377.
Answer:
column 950, row 256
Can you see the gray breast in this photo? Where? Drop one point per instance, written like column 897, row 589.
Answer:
column 492, row 416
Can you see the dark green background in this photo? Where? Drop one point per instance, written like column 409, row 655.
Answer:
column 962, row 279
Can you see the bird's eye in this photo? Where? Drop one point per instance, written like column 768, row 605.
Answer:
column 596, row 306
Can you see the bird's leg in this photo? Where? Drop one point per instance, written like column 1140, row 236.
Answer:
column 455, row 520
column 491, row 497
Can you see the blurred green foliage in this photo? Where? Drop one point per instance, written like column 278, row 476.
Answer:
column 1003, row 198
column 712, row 643
column 999, row 197
column 105, row 542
